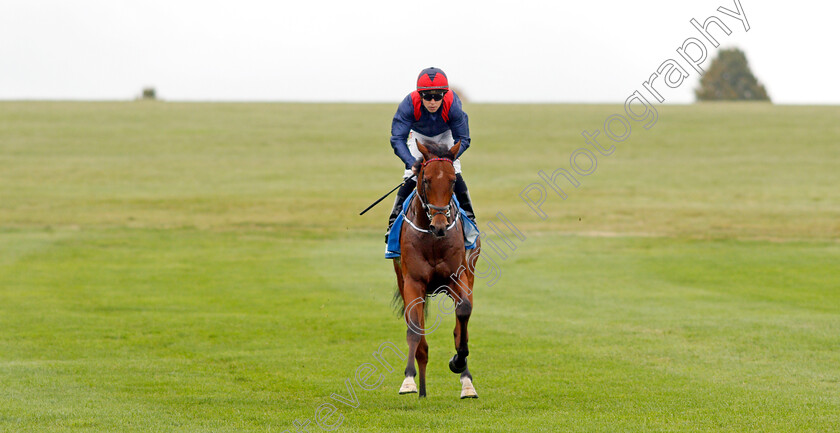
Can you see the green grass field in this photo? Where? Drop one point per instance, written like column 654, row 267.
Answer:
column 174, row 267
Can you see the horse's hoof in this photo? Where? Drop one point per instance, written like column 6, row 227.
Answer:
column 408, row 386
column 467, row 389
column 454, row 368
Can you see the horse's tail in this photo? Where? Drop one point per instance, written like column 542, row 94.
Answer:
column 397, row 302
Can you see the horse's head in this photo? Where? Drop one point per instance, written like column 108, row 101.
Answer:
column 435, row 183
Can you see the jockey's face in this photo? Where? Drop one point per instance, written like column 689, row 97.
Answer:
column 432, row 105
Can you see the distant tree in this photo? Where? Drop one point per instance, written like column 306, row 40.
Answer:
column 149, row 93
column 729, row 78
column 460, row 92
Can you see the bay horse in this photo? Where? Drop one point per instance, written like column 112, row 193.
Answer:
column 433, row 260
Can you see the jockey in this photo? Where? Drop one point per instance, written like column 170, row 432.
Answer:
column 431, row 113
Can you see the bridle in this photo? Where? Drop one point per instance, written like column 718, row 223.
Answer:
column 430, row 209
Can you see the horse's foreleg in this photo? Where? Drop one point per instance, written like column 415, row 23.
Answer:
column 422, row 360
column 417, row 331
column 413, row 297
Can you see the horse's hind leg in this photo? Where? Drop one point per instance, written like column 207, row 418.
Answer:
column 458, row 364
column 467, row 388
column 461, row 293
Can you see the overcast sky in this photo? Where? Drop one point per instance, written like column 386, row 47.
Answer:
column 495, row 51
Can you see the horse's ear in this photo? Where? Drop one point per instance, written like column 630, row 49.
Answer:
column 455, row 149
column 423, row 150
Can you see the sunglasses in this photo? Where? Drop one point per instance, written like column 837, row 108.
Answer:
column 430, row 96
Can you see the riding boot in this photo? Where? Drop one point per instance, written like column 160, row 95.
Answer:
column 402, row 194
column 463, row 196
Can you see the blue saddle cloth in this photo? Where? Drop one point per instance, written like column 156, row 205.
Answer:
column 393, row 249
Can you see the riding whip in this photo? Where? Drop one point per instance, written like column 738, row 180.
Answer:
column 386, row 195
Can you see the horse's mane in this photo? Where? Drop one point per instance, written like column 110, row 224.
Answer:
column 438, row 149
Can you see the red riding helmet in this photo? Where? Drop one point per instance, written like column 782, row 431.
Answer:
column 432, row 79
